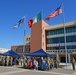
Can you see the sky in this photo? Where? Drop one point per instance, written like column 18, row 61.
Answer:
column 11, row 11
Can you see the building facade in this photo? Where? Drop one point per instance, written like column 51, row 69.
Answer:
column 55, row 40
column 20, row 49
column 38, row 36
column 51, row 38
column 23, row 49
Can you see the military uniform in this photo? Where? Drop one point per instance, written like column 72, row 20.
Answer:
column 25, row 62
column 73, row 63
column 56, row 63
column 48, row 63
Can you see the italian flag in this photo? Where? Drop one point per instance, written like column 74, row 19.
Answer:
column 37, row 18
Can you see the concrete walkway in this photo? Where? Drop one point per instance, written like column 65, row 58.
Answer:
column 68, row 66
column 17, row 70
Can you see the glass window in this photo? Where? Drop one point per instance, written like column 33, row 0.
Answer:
column 61, row 39
column 57, row 40
column 71, row 38
column 48, row 33
column 21, row 49
column 61, row 31
column 71, row 29
column 27, row 49
column 58, row 31
column 48, row 41
column 71, row 47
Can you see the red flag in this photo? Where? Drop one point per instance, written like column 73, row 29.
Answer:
column 54, row 13
column 30, row 23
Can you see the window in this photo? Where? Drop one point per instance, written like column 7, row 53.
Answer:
column 71, row 38
column 29, row 38
column 71, row 29
column 21, row 50
column 48, row 41
column 27, row 49
column 42, row 35
column 48, row 33
column 43, row 43
column 26, row 39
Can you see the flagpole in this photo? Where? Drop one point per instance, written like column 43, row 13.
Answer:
column 64, row 33
column 41, row 28
column 24, row 37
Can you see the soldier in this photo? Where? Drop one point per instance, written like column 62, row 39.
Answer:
column 48, row 62
column 11, row 60
column 52, row 63
column 56, row 63
column 7, row 60
column 25, row 62
column 73, row 63
column 3, row 61
column 0, row 61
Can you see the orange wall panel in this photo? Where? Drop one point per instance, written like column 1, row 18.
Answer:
column 36, row 36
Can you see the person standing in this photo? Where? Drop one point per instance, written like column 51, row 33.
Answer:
column 56, row 63
column 48, row 62
column 73, row 63
column 22, row 61
column 25, row 62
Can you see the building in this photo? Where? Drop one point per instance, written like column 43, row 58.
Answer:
column 23, row 49
column 55, row 40
column 38, row 36
column 20, row 49
column 27, row 39
column 51, row 38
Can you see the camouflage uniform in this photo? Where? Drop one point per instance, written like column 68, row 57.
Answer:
column 73, row 63
column 56, row 63
column 7, row 61
column 51, row 62
column 25, row 62
column 48, row 63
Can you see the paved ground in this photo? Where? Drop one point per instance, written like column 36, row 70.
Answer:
column 20, row 71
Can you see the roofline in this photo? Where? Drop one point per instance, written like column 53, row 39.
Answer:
column 58, row 26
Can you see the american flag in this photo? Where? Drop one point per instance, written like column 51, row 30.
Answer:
column 54, row 13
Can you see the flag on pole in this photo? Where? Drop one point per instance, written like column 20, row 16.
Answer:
column 30, row 22
column 37, row 18
column 19, row 23
column 54, row 13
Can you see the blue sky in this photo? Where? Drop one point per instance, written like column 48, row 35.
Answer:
column 13, row 10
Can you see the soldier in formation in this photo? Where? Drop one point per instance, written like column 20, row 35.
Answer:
column 73, row 63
